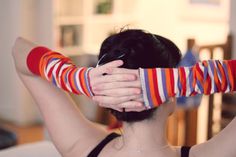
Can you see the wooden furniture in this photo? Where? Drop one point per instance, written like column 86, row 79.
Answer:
column 191, row 116
column 182, row 126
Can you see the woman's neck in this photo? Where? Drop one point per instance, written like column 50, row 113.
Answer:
column 147, row 135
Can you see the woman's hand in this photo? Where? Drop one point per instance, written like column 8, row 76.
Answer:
column 120, row 88
column 20, row 51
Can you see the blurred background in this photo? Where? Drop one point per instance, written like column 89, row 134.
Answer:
column 76, row 28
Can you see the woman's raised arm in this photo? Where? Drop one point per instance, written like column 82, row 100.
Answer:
column 159, row 84
column 67, row 126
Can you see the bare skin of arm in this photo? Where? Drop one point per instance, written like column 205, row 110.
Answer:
column 71, row 132
column 223, row 144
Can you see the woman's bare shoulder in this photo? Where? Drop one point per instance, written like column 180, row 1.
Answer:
column 85, row 145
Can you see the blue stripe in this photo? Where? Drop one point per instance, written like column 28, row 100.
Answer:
column 200, row 86
column 213, row 70
column 148, row 89
column 190, row 78
column 66, row 77
column 163, row 77
column 76, row 84
column 54, row 81
column 179, row 86
column 87, row 81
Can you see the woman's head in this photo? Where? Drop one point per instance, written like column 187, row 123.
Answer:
column 138, row 49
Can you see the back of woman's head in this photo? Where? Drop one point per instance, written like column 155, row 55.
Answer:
column 138, row 49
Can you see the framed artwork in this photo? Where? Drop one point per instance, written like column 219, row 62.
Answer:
column 205, row 10
column 209, row 2
column 103, row 6
column 71, row 35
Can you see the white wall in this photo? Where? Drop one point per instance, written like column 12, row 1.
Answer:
column 172, row 19
column 233, row 24
column 20, row 18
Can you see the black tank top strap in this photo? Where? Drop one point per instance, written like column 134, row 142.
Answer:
column 185, row 151
column 95, row 152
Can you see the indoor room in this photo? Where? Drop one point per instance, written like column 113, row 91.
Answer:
column 62, row 93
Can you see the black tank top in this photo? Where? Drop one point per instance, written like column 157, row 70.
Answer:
column 96, row 151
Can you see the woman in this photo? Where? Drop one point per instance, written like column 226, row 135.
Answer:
column 144, row 132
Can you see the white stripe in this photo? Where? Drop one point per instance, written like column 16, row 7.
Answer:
column 228, row 83
column 218, row 72
column 160, row 85
column 176, row 77
column 144, row 90
column 50, row 65
column 64, row 66
column 54, row 73
column 188, row 92
column 78, row 81
column 67, row 83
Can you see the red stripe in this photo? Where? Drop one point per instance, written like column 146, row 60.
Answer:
column 199, row 74
column 63, row 61
column 63, row 81
column 223, row 79
column 216, row 79
column 172, row 81
column 70, row 75
column 183, row 81
column 232, row 66
column 155, row 84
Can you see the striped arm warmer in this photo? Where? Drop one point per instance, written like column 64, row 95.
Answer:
column 205, row 77
column 59, row 70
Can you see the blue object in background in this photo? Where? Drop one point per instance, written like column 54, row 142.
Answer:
column 189, row 59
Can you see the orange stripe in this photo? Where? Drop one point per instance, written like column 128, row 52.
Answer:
column 217, row 82
column 168, row 82
column 82, row 80
column 194, row 79
column 151, row 86
column 63, row 75
column 72, row 81
column 223, row 84
column 43, row 63
column 206, row 82
column 231, row 77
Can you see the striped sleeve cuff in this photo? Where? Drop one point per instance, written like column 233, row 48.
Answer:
column 206, row 77
column 147, row 102
column 59, row 70
column 150, row 87
column 34, row 57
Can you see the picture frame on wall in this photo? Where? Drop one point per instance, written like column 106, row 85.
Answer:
column 70, row 36
column 209, row 2
column 103, row 6
column 205, row 10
